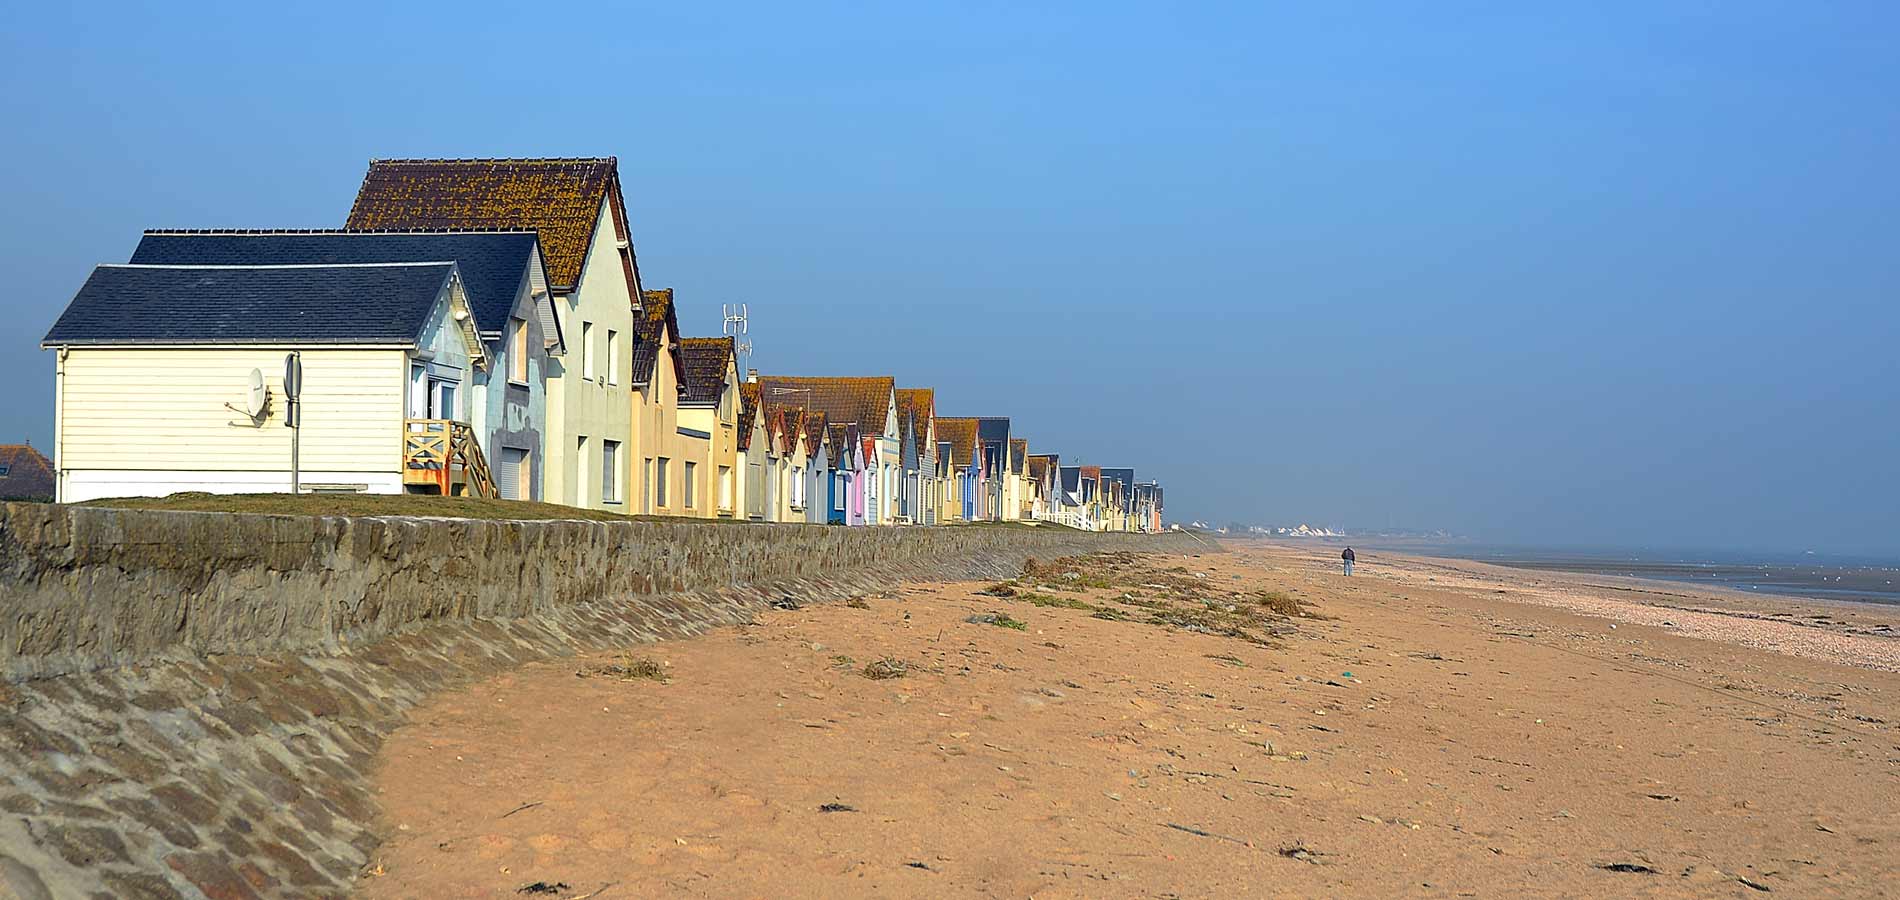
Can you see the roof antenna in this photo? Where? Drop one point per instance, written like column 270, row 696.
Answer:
column 735, row 321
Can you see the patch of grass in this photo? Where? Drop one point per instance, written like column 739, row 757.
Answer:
column 857, row 603
column 885, row 668
column 1228, row 658
column 842, row 661
column 999, row 589
column 630, row 668
column 1046, row 601
column 1000, row 620
column 1291, row 607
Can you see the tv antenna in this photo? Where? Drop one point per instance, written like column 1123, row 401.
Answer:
column 735, row 322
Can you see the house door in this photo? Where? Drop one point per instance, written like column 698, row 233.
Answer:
column 514, row 474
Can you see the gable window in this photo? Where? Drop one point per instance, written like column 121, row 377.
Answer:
column 587, row 351
column 613, row 356
column 609, row 471
column 518, row 351
column 690, row 493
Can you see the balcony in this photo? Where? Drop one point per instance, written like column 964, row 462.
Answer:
column 443, row 455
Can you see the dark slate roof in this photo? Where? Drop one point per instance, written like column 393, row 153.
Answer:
column 1071, row 478
column 960, row 435
column 558, row 198
column 845, row 401
column 492, row 263
column 1125, row 476
column 375, row 304
column 993, row 429
column 705, row 362
column 29, row 474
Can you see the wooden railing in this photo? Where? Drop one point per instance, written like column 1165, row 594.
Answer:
column 434, row 451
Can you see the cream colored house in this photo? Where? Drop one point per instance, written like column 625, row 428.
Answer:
column 171, row 378
column 576, row 208
column 709, row 406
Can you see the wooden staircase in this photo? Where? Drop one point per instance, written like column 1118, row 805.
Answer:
column 434, row 451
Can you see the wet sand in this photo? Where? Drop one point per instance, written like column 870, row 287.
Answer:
column 1451, row 729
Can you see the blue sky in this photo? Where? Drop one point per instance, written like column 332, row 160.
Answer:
column 1621, row 274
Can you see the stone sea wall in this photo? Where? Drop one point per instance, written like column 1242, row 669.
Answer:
column 192, row 701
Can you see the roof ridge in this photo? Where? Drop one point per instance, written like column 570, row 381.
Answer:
column 381, row 265
column 492, row 159
column 335, row 231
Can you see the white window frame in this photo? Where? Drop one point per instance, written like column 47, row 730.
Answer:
column 518, row 351
column 613, row 356
column 587, row 351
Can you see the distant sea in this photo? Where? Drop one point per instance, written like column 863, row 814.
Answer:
column 1795, row 575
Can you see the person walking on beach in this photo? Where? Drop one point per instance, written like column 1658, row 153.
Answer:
column 1348, row 557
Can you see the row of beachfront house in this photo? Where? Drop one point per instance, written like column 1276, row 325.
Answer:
column 481, row 327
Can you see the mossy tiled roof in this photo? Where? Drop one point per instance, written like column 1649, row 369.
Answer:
column 960, row 435
column 657, row 318
column 915, row 408
column 1018, row 454
column 704, row 364
column 560, row 199
column 748, row 410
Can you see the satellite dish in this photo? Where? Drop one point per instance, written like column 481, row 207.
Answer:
column 258, row 396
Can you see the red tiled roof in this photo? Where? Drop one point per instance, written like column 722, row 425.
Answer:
column 560, row 199
column 859, row 401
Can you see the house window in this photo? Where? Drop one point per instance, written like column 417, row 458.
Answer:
column 613, row 356
column 442, row 399
column 725, row 487
column 587, row 351
column 838, row 491
column 580, row 469
column 4, row 469
column 690, row 493
column 646, row 486
column 609, row 471
column 518, row 351
column 659, row 482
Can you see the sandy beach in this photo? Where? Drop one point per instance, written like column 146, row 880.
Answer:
column 1248, row 723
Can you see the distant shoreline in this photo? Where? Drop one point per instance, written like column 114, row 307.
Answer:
column 1831, row 580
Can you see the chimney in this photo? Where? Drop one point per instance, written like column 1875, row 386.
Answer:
column 752, row 376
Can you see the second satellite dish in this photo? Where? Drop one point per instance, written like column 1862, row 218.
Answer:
column 257, row 399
